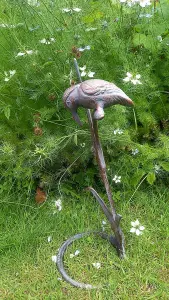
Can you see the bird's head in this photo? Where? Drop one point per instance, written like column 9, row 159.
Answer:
column 70, row 101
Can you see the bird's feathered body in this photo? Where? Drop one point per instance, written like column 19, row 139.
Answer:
column 94, row 94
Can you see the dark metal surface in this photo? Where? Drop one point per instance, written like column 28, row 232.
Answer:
column 62, row 250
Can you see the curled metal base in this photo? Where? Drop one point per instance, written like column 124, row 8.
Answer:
column 60, row 257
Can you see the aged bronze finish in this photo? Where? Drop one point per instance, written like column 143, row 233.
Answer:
column 95, row 94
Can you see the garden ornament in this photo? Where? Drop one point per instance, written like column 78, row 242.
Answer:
column 95, row 94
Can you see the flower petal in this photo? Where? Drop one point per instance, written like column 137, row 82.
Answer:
column 138, row 232
column 71, row 255
column 126, row 79
column 138, row 76
column 21, row 54
column 90, row 74
column 43, row 41
column 137, row 223
column 87, row 47
column 129, row 75
column 76, row 9
column 83, row 74
column 141, row 228
column 49, row 239
column 133, row 230
column 66, row 10
column 82, row 68
column 12, row 72
column 97, row 265
column 54, row 258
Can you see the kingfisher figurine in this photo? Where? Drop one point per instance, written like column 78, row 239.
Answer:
column 94, row 94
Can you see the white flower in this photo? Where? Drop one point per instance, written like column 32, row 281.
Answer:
column 144, row 3
column 54, row 258
column 66, row 10
column 134, row 151
column 117, row 179
column 77, row 36
column 90, row 29
column 82, row 145
column 75, row 254
column 97, row 265
column 129, row 78
column 29, row 52
column 83, row 49
column 159, row 38
column 118, row 131
column 58, row 204
column 157, row 168
column 136, row 227
column 103, row 225
column 9, row 74
column 145, row 15
column 59, row 278
column 3, row 25
column 21, row 54
column 33, row 2
column 76, row 9
column 49, row 239
column 85, row 73
column 8, row 25
column 47, row 41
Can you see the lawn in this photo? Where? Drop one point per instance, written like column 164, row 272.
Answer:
column 42, row 148
column 27, row 269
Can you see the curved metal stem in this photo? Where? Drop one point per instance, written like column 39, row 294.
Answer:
column 63, row 249
column 102, row 167
column 112, row 216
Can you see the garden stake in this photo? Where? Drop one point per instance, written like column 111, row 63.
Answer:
column 95, row 94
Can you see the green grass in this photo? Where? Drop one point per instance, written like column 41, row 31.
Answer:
column 27, row 271
column 26, row 267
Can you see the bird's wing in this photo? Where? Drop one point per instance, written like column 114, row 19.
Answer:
column 105, row 89
column 96, row 87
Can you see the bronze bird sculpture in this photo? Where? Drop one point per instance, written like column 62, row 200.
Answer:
column 94, row 94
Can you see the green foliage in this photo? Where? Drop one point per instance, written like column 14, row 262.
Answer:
column 39, row 140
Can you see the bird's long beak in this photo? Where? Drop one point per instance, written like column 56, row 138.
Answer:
column 76, row 117
column 130, row 102
column 125, row 100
